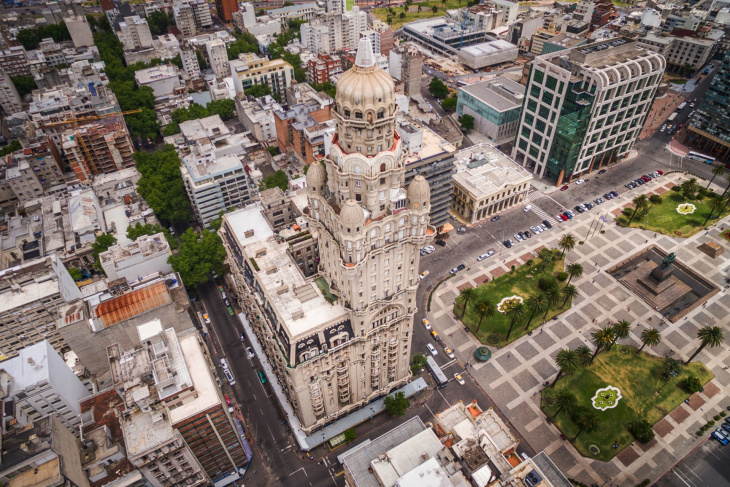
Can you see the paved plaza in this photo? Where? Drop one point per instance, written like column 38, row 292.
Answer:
column 515, row 374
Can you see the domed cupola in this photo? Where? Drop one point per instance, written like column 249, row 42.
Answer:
column 352, row 217
column 316, row 177
column 365, row 106
column 419, row 193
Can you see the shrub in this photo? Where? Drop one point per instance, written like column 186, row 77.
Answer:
column 723, row 414
column 676, row 188
column 717, row 417
column 710, row 423
column 655, row 199
column 641, row 430
column 547, row 282
column 580, row 242
column 691, row 384
column 350, row 435
column 627, row 211
column 643, row 483
column 562, row 276
column 603, row 231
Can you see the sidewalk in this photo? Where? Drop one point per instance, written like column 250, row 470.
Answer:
column 660, row 110
column 513, row 377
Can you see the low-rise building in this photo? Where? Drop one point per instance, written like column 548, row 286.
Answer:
column 485, row 54
column 80, row 31
column 249, row 70
column 257, row 116
column 294, row 122
column 134, row 33
column 561, row 42
column 164, row 79
column 301, row 11
column 144, row 256
column 444, row 36
column 495, row 105
column 486, row 183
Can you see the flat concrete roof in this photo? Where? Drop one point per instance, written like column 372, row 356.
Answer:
column 199, row 369
column 482, row 170
column 500, row 94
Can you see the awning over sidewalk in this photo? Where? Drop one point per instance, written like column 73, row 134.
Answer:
column 447, row 227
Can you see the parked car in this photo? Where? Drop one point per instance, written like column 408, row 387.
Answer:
column 459, row 378
column 527, row 208
column 206, row 319
column 664, row 127
column 427, row 324
column 461, row 267
column 527, row 234
column 229, row 377
column 579, row 209
column 442, row 243
column 224, row 364
column 719, row 438
column 564, row 188
column 461, row 230
column 495, row 218
column 262, row 377
column 482, row 257
column 580, row 181
column 250, row 353
column 449, row 353
column 228, row 303
column 228, row 400
column 243, row 338
column 507, row 243
column 547, row 224
column 601, row 171
column 598, row 201
column 454, row 271
column 432, row 349
column 431, row 248
column 661, row 173
column 423, row 275
column 567, row 215
column 435, row 335
column 518, row 237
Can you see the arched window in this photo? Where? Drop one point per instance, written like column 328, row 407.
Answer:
column 382, row 167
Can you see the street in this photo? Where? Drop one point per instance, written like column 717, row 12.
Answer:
column 709, row 464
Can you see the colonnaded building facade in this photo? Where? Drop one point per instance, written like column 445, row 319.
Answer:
column 335, row 270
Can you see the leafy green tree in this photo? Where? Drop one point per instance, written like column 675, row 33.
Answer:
column 621, row 330
column 641, row 430
column 536, row 304
column 516, row 313
column 13, row 146
column 102, row 243
column 466, row 122
column 24, row 84
column 691, row 384
column 418, row 362
column 226, row 109
column 670, row 369
column 485, row 307
column 171, row 128
column 568, row 292
column 547, row 258
column 159, row 21
column 257, row 91
column 244, row 42
column 278, row 179
column 75, row 273
column 30, row 38
column 585, row 357
column 396, row 404
column 438, row 89
column 198, row 256
column 449, row 103
column 708, row 335
column 603, row 339
column 640, row 203
column 651, row 337
column 328, row 88
column 566, row 244
column 466, row 295
column 350, row 435
column 574, row 270
column 161, row 184
column 585, row 420
column 136, row 231
column 564, row 400
column 202, row 63
column 567, row 361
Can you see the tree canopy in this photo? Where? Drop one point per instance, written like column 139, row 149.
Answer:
column 198, row 256
column 438, row 89
column 257, row 91
column 161, row 184
column 328, row 88
column 30, row 38
column 396, row 404
column 245, row 42
column 449, row 104
column 24, row 84
column 466, row 122
column 279, row 178
column 159, row 21
column 13, row 146
column 224, row 108
column 136, row 231
column 102, row 243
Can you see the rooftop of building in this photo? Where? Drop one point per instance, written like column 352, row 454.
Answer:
column 444, row 26
column 299, row 302
column 292, row 8
column 482, row 170
column 406, row 456
column 500, row 93
column 201, row 128
column 487, row 48
column 432, row 144
column 567, row 40
column 207, row 168
column 29, row 367
column 21, row 444
column 145, row 431
column 149, row 75
column 145, row 245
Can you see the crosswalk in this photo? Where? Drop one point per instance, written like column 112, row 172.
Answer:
column 533, row 198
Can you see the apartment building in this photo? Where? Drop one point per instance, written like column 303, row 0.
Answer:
column 301, row 11
column 257, row 116
column 225, row 9
column 709, row 129
column 585, row 107
column 14, row 62
column 249, row 70
column 386, row 36
column 9, row 97
column 37, row 383
column 80, row 31
column 146, row 255
column 218, row 58
column 693, row 52
column 192, row 16
column 30, row 295
column 495, row 105
column 164, row 79
column 296, row 124
column 486, row 183
column 189, row 59
column 323, row 68
column 354, row 21
column 99, row 147
column 134, row 33
column 335, row 352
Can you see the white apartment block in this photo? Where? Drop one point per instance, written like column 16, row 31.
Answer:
column 585, row 107
column 146, row 255
column 258, row 116
column 80, row 31
column 354, row 22
column 164, row 79
column 692, row 51
column 373, row 37
column 190, row 62
column 218, row 57
column 39, row 384
column 316, row 38
column 9, row 97
column 135, row 33
column 249, row 70
column 192, row 16
column 302, row 11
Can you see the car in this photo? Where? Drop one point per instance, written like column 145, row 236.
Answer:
column 727, row 421
column 646, row 179
column 507, row 243
column 449, row 353
column 579, row 209
column 427, row 324
column 518, row 237
column 172, row 231
column 534, row 229
column 223, row 295
column 495, row 218
column 228, row 400
column 527, row 208
column 461, row 267
column 262, row 377
column 560, row 217
column 442, row 243
column 547, row 224
column 589, row 205
column 432, row 349
column 629, row 185
column 423, row 275
column 250, row 353
column 243, row 338
column 454, row 271
column 602, row 171
column 527, row 234
column 228, row 303
column 482, row 257
column 431, row 248
column 568, row 215
column 613, row 193
column 722, row 433
column 564, row 188
column 229, row 377
column 435, row 335
column 461, row 230
column 661, row 173
column 224, row 363
column 458, row 378
column 664, row 127
column 725, row 429
column 206, row 318
column 719, row 438
column 580, row 181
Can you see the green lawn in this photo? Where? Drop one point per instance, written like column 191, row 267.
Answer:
column 724, row 235
column 664, row 218
column 638, row 377
column 324, row 286
column 521, row 282
column 413, row 14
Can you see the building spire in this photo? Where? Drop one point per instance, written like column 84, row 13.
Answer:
column 365, row 57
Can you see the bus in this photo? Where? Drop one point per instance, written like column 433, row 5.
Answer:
column 438, row 374
column 681, row 106
column 672, row 117
column 696, row 156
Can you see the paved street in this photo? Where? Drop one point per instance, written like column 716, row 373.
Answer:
column 708, row 464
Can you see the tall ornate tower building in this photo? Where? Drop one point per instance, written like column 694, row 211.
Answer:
column 336, row 284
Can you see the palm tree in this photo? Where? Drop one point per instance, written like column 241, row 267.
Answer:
column 602, row 338
column 727, row 178
column 566, row 244
column 716, row 171
column 535, row 304
column 552, row 297
column 485, row 307
column 567, row 361
column 443, row 3
column 670, row 369
column 419, row 9
column 586, row 420
column 621, row 330
column 516, row 313
column 689, row 187
column 640, row 202
column 651, row 337
column 569, row 292
column 717, row 204
column 468, row 294
column 708, row 335
column 564, row 400
column 584, row 355
column 546, row 257
column 574, row 270
column 434, row 9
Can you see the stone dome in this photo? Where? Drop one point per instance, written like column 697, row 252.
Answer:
column 419, row 192
column 365, row 86
column 316, row 177
column 352, row 215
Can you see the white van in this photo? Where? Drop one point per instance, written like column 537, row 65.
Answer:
column 527, row 208
column 229, row 376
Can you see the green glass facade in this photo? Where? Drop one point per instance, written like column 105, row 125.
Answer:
column 709, row 130
column 575, row 116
